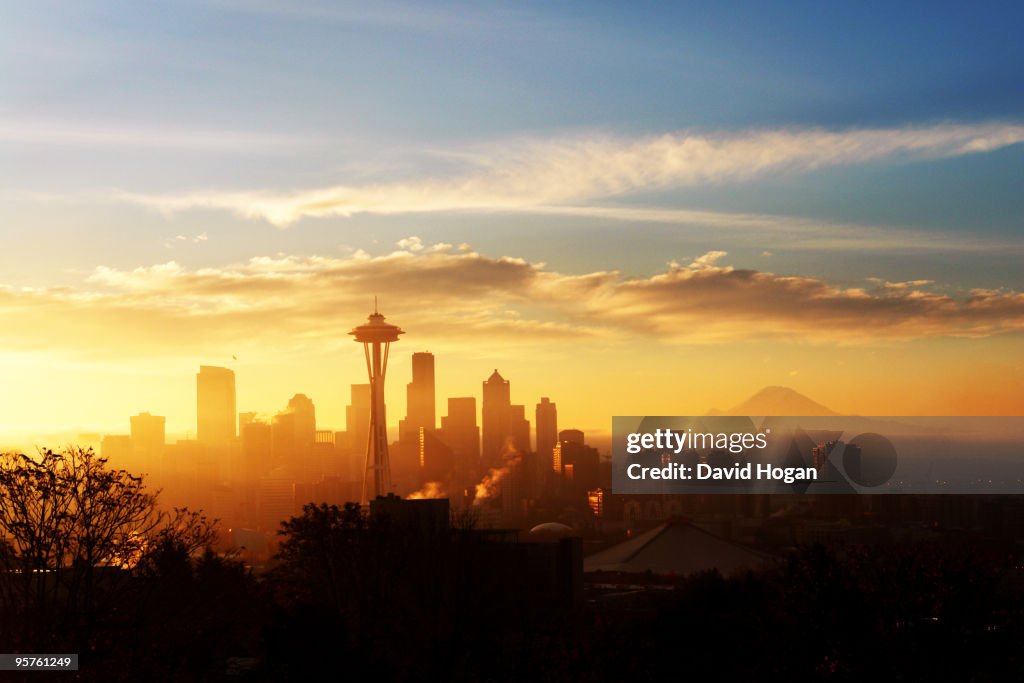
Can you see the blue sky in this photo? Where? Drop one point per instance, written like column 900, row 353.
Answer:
column 166, row 97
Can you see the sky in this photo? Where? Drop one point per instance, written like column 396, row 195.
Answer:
column 629, row 208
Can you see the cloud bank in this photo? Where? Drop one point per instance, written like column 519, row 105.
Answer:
column 458, row 297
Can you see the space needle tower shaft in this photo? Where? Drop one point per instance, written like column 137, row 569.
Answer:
column 376, row 336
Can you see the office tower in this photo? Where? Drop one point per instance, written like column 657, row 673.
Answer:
column 304, row 422
column 547, row 432
column 357, row 418
column 519, row 429
column 257, row 449
column 420, row 411
column 497, row 405
column 294, row 431
column 148, row 433
column 436, row 458
column 460, row 431
column 376, row 336
column 244, row 419
column 282, row 428
column 325, row 461
column 571, row 436
column 407, row 460
column 215, row 403
column 147, row 441
column 578, row 463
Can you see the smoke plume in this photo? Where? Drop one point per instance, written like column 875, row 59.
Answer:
column 490, row 485
column 432, row 489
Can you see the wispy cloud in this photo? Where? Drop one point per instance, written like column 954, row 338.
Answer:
column 792, row 232
column 186, row 239
column 535, row 174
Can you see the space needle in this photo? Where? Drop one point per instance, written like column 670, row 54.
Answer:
column 376, row 336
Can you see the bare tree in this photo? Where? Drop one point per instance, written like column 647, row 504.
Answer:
column 71, row 528
column 35, row 513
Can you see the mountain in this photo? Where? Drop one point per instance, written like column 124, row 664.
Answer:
column 781, row 401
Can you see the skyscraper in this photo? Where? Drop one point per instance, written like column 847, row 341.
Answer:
column 547, row 432
column 460, row 431
column 421, row 411
column 357, row 418
column 148, row 433
column 215, row 405
column 294, row 432
column 519, row 429
column 578, row 463
column 571, row 436
column 496, row 409
column 301, row 406
column 257, row 449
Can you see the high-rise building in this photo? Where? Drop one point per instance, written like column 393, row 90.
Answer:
column 301, row 406
column 547, row 432
column 257, row 449
column 215, row 405
column 571, row 436
column 148, row 439
column 294, row 432
column 496, row 411
column 578, row 463
column 421, row 410
column 518, row 430
column 436, row 458
column 460, row 431
column 357, row 418
column 148, row 433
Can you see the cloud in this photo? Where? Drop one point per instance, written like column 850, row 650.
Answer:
column 553, row 174
column 186, row 239
column 706, row 302
column 410, row 244
column 465, row 299
column 792, row 232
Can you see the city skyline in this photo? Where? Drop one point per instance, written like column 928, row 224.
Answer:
column 255, row 471
column 356, row 419
column 181, row 423
column 144, row 425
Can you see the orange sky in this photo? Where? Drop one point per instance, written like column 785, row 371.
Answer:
column 698, row 336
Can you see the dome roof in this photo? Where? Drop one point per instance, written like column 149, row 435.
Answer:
column 552, row 530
